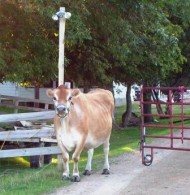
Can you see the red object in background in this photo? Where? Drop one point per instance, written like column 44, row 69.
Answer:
column 176, row 126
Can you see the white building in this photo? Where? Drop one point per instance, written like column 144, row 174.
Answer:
column 120, row 93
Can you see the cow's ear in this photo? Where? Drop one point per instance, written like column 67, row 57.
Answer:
column 49, row 92
column 75, row 92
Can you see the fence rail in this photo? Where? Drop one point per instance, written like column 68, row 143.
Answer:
column 32, row 116
column 30, row 152
column 22, row 103
column 33, row 135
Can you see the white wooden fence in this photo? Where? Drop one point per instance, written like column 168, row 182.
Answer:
column 40, row 135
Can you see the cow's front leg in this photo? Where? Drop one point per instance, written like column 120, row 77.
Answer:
column 65, row 166
column 65, row 157
column 76, row 176
column 75, row 157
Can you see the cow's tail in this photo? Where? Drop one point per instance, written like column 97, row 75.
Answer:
column 115, row 126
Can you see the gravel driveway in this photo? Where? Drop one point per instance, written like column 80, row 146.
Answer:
column 169, row 174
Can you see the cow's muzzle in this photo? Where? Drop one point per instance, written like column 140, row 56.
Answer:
column 62, row 111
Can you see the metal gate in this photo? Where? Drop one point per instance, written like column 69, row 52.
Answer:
column 171, row 120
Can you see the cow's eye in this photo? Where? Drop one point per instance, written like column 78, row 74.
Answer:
column 70, row 98
column 54, row 98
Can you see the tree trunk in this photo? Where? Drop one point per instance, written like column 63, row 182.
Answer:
column 86, row 87
column 156, row 99
column 127, row 114
column 147, row 107
column 167, row 110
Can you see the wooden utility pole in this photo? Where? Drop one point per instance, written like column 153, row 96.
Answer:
column 61, row 47
column 61, row 16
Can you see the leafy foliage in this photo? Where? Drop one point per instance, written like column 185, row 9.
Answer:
column 126, row 41
column 27, row 46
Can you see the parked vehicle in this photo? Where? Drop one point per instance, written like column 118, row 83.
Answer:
column 137, row 94
column 177, row 96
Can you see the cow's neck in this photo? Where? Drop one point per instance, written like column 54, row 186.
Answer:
column 64, row 123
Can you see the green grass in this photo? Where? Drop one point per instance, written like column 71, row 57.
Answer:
column 4, row 109
column 16, row 178
column 20, row 179
column 29, row 181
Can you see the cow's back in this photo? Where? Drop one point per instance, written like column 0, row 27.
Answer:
column 100, row 108
column 103, row 99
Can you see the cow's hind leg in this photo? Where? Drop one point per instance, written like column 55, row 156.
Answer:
column 106, row 161
column 89, row 162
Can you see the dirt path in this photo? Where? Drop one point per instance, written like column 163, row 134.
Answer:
column 168, row 175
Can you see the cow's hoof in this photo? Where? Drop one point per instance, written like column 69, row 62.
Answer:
column 87, row 172
column 75, row 178
column 64, row 177
column 105, row 172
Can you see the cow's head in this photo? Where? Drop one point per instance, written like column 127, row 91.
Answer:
column 62, row 98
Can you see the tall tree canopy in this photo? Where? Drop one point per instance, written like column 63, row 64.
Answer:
column 179, row 14
column 125, row 41
column 29, row 40
column 27, row 43
column 106, row 40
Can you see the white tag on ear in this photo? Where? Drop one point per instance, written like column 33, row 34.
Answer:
column 68, row 85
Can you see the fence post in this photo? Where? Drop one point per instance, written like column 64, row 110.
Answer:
column 59, row 162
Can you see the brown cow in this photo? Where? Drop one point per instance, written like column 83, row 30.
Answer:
column 82, row 121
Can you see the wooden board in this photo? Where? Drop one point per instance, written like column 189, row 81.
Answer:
column 34, row 134
column 21, row 107
column 27, row 116
column 26, row 134
column 21, row 99
column 30, row 152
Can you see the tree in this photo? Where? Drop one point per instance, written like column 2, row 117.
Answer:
column 126, row 41
column 151, row 34
column 178, row 13
column 27, row 44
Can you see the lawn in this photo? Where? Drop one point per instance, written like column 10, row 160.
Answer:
column 17, row 178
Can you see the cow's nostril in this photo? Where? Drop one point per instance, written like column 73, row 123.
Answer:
column 61, row 108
